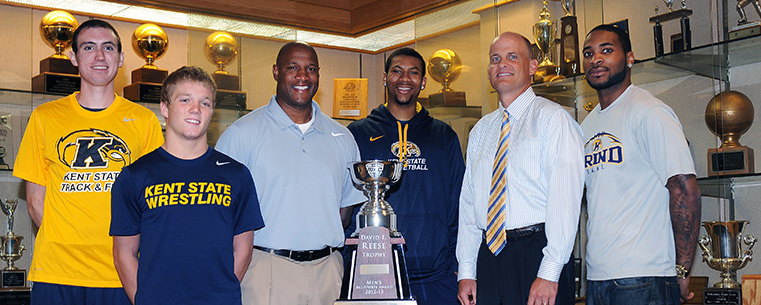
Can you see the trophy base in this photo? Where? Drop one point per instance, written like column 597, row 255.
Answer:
column 143, row 92
column 13, row 278
column 376, row 271
column 745, row 30
column 229, row 99
column 15, row 296
column 58, row 65
column 723, row 296
column 226, row 81
column 447, row 98
column 147, row 75
column 49, row 82
column 730, row 161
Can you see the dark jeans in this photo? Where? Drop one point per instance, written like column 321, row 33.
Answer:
column 634, row 291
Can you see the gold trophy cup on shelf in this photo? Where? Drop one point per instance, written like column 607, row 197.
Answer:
column 444, row 67
column 221, row 49
column 150, row 42
column 57, row 73
column 544, row 34
column 11, row 250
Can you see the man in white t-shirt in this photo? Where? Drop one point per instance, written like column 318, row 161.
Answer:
column 643, row 198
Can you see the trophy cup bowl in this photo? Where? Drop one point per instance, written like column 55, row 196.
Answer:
column 221, row 48
column 150, row 42
column 544, row 35
column 11, row 249
column 57, row 30
column 374, row 177
column 444, row 67
column 725, row 253
column 728, row 115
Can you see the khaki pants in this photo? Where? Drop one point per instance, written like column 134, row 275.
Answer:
column 276, row 280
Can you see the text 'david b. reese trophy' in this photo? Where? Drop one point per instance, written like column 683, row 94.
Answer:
column 377, row 273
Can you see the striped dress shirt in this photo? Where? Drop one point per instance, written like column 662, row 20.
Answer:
column 545, row 179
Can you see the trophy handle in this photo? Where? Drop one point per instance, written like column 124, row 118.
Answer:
column 703, row 243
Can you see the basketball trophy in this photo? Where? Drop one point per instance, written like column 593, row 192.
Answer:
column 444, row 67
column 377, row 273
column 150, row 42
column 57, row 73
column 221, row 48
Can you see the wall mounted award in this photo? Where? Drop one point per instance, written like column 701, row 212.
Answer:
column 728, row 115
column 57, row 73
column 149, row 42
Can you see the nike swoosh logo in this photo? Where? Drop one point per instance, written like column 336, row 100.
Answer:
column 222, row 163
column 372, row 139
column 335, row 134
column 127, row 120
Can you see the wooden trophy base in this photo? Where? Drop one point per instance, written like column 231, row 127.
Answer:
column 143, row 92
column 229, row 99
column 447, row 98
column 148, row 75
column 58, row 65
column 730, row 161
column 50, row 82
column 723, row 296
column 226, row 81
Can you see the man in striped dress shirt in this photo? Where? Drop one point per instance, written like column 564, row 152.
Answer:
column 529, row 260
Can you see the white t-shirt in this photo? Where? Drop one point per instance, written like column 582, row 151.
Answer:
column 632, row 148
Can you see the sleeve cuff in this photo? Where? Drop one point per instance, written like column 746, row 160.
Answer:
column 549, row 270
column 466, row 271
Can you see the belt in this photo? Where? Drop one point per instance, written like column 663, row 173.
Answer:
column 522, row 232
column 300, row 256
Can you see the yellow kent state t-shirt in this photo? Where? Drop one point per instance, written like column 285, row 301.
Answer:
column 77, row 154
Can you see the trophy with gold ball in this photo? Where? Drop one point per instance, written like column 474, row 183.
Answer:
column 444, row 67
column 728, row 115
column 11, row 250
column 544, row 35
column 221, row 49
column 377, row 271
column 57, row 73
column 150, row 42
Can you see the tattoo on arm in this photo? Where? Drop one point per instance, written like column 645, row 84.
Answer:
column 684, row 205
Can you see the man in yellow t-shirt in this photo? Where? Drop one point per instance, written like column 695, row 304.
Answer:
column 71, row 153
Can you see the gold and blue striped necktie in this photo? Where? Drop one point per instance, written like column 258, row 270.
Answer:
column 496, row 237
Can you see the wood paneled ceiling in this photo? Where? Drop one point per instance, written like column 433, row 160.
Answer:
column 343, row 17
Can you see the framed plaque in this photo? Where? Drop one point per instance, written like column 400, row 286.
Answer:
column 350, row 98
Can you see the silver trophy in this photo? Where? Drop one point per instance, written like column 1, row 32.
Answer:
column 669, row 4
column 11, row 248
column 375, row 177
column 725, row 253
column 567, row 7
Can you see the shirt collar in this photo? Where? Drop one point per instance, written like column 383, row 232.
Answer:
column 283, row 121
column 518, row 107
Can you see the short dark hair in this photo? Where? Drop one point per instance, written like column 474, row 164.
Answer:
column 94, row 23
column 406, row 52
column 187, row 73
column 623, row 36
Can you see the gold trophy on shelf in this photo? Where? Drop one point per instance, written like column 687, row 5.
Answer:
column 444, row 67
column 728, row 115
column 722, row 251
column 221, row 48
column 11, row 250
column 544, row 35
column 57, row 73
column 150, row 42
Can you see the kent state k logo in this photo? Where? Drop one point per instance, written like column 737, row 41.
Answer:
column 92, row 148
column 606, row 149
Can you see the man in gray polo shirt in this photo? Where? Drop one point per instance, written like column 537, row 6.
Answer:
column 298, row 158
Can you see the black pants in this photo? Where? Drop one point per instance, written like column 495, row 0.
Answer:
column 506, row 279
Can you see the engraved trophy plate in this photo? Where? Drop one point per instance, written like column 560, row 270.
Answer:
column 376, row 272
